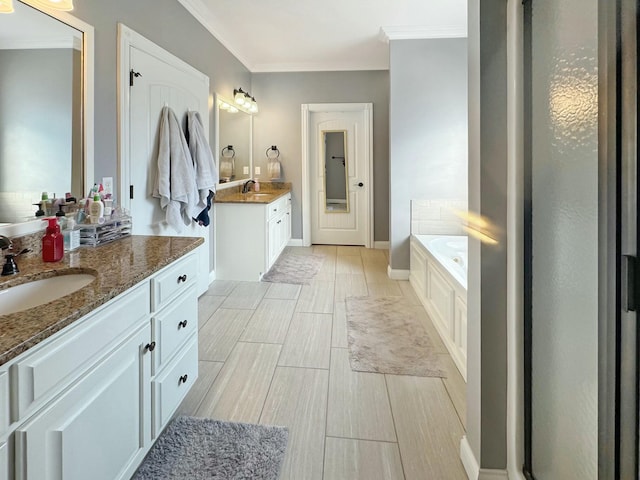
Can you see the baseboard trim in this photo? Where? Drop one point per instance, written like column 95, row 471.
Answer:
column 397, row 274
column 295, row 242
column 381, row 245
column 469, row 461
column 212, row 276
column 486, row 474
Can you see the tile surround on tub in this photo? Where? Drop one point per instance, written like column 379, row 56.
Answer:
column 437, row 217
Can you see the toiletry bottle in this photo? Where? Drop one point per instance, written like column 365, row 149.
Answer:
column 52, row 242
column 46, row 203
column 256, row 186
column 96, row 209
column 71, row 236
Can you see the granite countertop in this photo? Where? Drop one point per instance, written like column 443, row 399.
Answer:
column 269, row 191
column 117, row 266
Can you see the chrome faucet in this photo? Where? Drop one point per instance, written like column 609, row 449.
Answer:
column 5, row 242
column 245, row 187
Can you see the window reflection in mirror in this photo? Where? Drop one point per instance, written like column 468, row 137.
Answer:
column 234, row 130
column 41, row 125
column 335, row 171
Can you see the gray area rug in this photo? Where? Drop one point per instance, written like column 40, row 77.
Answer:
column 295, row 269
column 202, row 448
column 386, row 335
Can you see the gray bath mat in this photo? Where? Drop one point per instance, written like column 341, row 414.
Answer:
column 202, row 448
column 386, row 336
column 295, row 269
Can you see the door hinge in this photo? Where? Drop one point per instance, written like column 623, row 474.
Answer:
column 629, row 283
column 131, row 192
column 133, row 75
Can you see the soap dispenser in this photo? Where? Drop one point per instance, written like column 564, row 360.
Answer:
column 52, row 242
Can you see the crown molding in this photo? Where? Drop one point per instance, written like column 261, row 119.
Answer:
column 202, row 14
column 417, row 32
column 320, row 67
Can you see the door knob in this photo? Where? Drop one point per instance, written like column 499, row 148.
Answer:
column 360, row 184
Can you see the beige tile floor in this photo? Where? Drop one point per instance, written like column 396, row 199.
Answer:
column 277, row 354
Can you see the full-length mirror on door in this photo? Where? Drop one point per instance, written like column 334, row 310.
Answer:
column 335, row 171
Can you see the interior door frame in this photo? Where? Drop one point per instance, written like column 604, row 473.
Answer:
column 307, row 110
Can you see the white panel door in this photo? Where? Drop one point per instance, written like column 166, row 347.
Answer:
column 339, row 227
column 163, row 80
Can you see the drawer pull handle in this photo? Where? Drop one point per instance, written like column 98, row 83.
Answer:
column 182, row 278
column 150, row 347
column 279, row 221
column 183, row 379
column 182, row 324
column 275, row 209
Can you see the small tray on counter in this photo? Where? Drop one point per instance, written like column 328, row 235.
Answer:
column 95, row 234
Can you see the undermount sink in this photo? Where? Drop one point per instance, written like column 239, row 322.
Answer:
column 38, row 292
column 258, row 195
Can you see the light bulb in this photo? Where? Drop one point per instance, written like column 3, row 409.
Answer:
column 232, row 109
column 6, row 6
column 64, row 5
column 238, row 96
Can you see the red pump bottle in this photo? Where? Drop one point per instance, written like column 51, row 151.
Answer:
column 52, row 242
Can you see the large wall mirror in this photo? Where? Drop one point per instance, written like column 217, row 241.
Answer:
column 233, row 143
column 46, row 109
column 335, row 171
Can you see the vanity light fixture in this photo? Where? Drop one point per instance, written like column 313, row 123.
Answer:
column 244, row 101
column 6, row 6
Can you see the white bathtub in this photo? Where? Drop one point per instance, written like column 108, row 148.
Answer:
column 452, row 251
column 438, row 274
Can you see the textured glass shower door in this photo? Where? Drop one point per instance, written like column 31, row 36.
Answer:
column 564, row 238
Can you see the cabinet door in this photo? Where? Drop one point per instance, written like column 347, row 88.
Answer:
column 274, row 241
column 99, row 428
column 4, row 461
column 4, row 402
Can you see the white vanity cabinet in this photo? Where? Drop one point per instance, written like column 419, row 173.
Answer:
column 83, row 403
column 250, row 237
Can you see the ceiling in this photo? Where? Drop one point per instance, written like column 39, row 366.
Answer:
column 308, row 35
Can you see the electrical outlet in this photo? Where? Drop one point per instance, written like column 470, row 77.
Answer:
column 245, row 170
column 257, row 169
column 107, row 185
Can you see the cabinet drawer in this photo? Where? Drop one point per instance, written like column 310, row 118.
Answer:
column 170, row 388
column 4, row 403
column 173, row 326
column 4, row 461
column 48, row 370
column 174, row 279
column 278, row 207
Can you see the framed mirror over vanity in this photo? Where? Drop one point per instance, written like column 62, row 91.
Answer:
column 46, row 111
column 234, row 144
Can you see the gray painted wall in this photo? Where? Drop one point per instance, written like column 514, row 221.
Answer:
column 428, row 130
column 36, row 120
column 171, row 26
column 487, row 295
column 279, row 96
